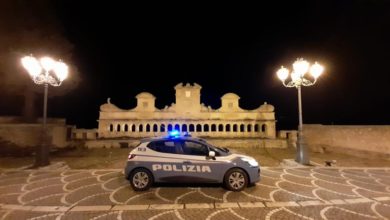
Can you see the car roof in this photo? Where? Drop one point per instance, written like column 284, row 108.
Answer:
column 165, row 138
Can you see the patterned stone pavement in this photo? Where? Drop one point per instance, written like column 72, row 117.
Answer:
column 292, row 193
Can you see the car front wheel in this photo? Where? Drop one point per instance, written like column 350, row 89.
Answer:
column 141, row 179
column 236, row 179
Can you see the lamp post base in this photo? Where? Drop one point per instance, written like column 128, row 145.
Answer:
column 302, row 156
column 41, row 156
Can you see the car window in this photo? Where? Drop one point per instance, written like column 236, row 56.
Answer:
column 217, row 151
column 194, row 148
column 163, row 146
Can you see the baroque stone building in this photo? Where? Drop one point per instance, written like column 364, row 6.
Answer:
column 187, row 114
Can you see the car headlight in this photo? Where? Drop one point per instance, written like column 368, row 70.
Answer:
column 251, row 162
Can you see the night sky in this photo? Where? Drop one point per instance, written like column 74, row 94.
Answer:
column 123, row 48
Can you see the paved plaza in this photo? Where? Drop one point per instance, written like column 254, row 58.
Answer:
column 283, row 193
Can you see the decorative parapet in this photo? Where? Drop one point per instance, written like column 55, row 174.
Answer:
column 109, row 107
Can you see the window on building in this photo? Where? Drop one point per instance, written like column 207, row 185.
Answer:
column 227, row 128
column 126, row 128
column 242, row 128
column 169, row 127
column 213, row 128
column 111, row 127
column 141, row 128
column 194, row 148
column 234, row 128
column 206, row 128
column 263, row 128
column 133, row 128
column 220, row 127
column 118, row 127
column 188, row 94
column 163, row 146
column 184, row 128
column 177, row 127
column 198, row 128
column 147, row 128
column 162, row 128
column 249, row 128
column 155, row 128
column 192, row 128
column 256, row 128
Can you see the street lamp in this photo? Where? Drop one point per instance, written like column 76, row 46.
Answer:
column 44, row 71
column 298, row 78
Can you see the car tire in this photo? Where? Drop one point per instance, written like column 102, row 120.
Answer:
column 236, row 179
column 141, row 179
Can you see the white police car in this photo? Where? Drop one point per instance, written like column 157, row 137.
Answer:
column 186, row 159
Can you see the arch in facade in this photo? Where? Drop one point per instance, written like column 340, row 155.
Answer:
column 126, row 128
column 169, row 127
column 162, row 128
column 133, row 128
column 235, row 128
column 242, row 128
column 198, row 128
column 184, row 128
column 177, row 127
column 155, row 128
column 227, row 128
column 191, row 128
column 263, row 127
column 141, row 128
column 220, row 127
column 118, row 127
column 206, row 128
column 256, row 128
column 213, row 127
column 111, row 127
column 249, row 128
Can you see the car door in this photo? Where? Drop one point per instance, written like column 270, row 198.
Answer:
column 166, row 161
column 196, row 163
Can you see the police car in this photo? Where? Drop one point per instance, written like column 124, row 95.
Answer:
column 186, row 159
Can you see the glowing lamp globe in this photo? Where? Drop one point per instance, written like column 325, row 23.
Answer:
column 301, row 67
column 61, row 70
column 31, row 65
column 282, row 73
column 47, row 63
column 295, row 76
column 316, row 70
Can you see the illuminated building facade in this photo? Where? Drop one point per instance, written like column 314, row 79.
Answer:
column 187, row 114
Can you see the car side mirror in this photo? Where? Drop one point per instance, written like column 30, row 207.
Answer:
column 212, row 154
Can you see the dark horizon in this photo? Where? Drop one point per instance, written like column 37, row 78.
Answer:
column 122, row 50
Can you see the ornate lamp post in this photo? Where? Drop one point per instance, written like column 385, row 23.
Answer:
column 298, row 78
column 45, row 71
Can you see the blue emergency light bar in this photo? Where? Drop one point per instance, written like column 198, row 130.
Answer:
column 174, row 134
